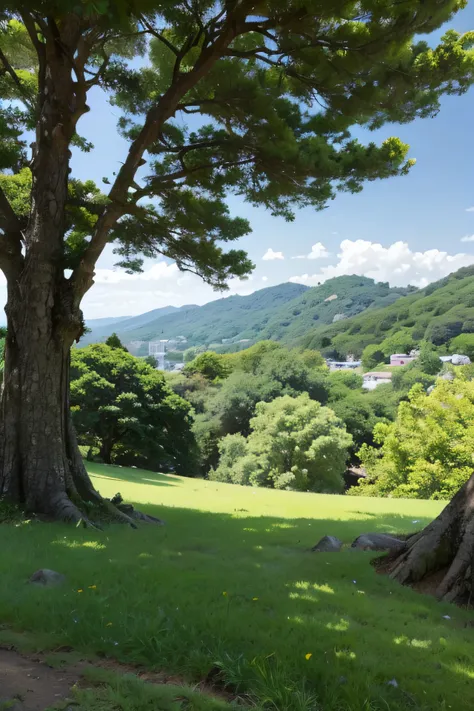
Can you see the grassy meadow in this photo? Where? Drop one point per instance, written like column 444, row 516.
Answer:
column 228, row 591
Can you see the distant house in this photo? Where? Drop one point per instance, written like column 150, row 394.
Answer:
column 376, row 378
column 401, row 359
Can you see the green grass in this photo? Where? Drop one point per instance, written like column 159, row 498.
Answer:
column 228, row 588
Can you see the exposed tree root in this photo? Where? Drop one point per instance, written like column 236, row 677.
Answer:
column 445, row 544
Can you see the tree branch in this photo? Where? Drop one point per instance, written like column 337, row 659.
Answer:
column 165, row 108
column 16, row 79
column 159, row 36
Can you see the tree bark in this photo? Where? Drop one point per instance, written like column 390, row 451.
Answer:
column 443, row 551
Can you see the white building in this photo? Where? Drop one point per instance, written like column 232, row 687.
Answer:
column 157, row 349
column 376, row 378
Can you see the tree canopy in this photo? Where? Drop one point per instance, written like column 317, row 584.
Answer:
column 295, row 443
column 427, row 451
column 125, row 408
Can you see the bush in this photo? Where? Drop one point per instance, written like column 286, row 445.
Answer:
column 427, row 451
column 295, row 443
column 372, row 356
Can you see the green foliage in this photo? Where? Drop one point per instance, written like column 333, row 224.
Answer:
column 405, row 377
column 372, row 356
column 191, row 353
column 427, row 451
column 123, row 406
column 294, row 443
column 211, row 366
column 435, row 314
column 463, row 344
column 114, row 341
column 428, row 360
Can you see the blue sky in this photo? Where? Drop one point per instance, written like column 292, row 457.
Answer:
column 402, row 230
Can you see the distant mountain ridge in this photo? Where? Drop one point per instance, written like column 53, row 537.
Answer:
column 285, row 312
column 439, row 312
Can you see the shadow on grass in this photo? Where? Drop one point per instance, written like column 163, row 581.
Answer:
column 140, row 476
column 241, row 598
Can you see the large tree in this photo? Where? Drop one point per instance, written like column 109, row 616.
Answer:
column 271, row 90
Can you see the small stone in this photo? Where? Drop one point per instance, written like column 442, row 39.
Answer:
column 377, row 542
column 47, row 577
column 446, row 617
column 393, row 682
column 328, row 544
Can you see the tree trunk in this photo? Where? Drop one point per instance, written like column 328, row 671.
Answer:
column 443, row 552
column 40, row 465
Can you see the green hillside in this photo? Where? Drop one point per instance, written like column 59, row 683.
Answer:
column 437, row 313
column 102, row 328
column 224, row 318
column 284, row 313
column 336, row 299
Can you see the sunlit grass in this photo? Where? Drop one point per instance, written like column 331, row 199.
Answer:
column 229, row 586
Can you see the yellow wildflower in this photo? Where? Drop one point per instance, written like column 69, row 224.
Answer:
column 80, row 590
column 225, row 594
column 254, row 599
column 109, row 624
column 308, row 656
column 92, row 587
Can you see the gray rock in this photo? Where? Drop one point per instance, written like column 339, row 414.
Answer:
column 458, row 359
column 377, row 542
column 449, row 375
column 328, row 544
column 47, row 577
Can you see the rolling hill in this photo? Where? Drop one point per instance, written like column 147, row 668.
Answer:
column 437, row 313
column 285, row 312
column 102, row 328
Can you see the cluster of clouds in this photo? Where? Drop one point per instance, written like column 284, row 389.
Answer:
column 116, row 293
column 397, row 264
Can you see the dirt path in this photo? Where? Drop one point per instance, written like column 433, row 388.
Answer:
column 28, row 685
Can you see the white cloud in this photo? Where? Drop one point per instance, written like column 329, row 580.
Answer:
column 117, row 293
column 469, row 209
column 264, row 278
column 270, row 255
column 318, row 251
column 467, row 238
column 397, row 264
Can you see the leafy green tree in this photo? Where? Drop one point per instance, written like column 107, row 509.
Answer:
column 113, row 341
column 428, row 361
column 341, row 382
column 399, row 342
column 191, row 353
column 463, row 344
column 357, row 414
column 235, row 402
column 427, row 452
column 124, row 407
column 295, row 443
column 149, row 360
column 276, row 89
column 372, row 356
column 405, row 377
column 211, row 366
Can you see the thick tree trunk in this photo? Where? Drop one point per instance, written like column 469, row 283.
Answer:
column 40, row 465
column 443, row 552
